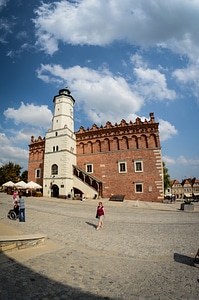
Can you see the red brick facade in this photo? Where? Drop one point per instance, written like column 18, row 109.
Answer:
column 105, row 148
column 113, row 153
column 36, row 160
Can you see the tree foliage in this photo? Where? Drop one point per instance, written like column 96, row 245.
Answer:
column 9, row 172
column 166, row 178
column 24, row 176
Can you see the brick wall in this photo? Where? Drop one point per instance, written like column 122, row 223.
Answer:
column 105, row 147
column 36, row 159
column 105, row 168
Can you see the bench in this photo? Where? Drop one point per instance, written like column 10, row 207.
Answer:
column 117, row 198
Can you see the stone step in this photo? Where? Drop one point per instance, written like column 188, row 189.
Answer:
column 14, row 242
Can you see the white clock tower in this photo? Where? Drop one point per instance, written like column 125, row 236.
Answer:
column 60, row 148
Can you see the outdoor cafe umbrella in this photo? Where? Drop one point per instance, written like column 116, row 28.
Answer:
column 32, row 185
column 8, row 184
column 21, row 184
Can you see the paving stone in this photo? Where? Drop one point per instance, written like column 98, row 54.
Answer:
column 143, row 252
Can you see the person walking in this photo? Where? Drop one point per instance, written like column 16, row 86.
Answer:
column 100, row 215
column 21, row 209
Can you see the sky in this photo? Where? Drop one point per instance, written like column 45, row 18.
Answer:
column 120, row 60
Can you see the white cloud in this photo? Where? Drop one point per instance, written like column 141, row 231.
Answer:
column 152, row 84
column 100, row 94
column 104, row 96
column 167, row 130
column 4, row 140
column 138, row 61
column 14, row 141
column 189, row 76
column 3, row 3
column 181, row 161
column 187, row 161
column 30, row 114
column 10, row 152
column 172, row 24
column 23, row 135
column 29, row 120
column 168, row 160
column 181, row 167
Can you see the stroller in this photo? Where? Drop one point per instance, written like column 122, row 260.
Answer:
column 13, row 214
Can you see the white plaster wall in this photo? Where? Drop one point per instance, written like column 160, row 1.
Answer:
column 61, row 136
column 63, row 113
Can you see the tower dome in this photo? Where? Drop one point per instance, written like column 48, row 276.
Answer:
column 64, row 91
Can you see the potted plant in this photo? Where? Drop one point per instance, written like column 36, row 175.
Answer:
column 187, row 205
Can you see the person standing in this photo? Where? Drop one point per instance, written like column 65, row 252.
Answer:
column 100, row 215
column 14, row 196
column 21, row 209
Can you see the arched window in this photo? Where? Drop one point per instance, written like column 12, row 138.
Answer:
column 54, row 169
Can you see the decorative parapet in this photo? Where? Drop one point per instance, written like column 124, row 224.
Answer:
column 36, row 145
column 138, row 127
column 39, row 140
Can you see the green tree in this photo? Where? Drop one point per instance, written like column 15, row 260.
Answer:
column 167, row 180
column 24, row 176
column 9, row 172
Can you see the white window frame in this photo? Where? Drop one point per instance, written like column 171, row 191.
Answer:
column 135, row 166
column 120, row 166
column 89, row 166
column 138, row 184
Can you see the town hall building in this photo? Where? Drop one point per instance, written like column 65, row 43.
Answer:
column 97, row 162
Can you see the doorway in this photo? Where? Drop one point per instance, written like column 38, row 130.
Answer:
column 54, row 191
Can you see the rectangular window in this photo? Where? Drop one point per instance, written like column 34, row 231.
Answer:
column 122, row 167
column 89, row 168
column 138, row 187
column 138, row 166
column 37, row 173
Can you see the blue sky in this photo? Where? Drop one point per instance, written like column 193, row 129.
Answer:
column 120, row 60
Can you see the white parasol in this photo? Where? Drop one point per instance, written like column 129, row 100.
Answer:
column 32, row 185
column 8, row 184
column 21, row 184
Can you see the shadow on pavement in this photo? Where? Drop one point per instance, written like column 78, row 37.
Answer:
column 16, row 280
column 183, row 259
column 91, row 224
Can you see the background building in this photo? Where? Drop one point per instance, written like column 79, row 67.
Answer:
column 187, row 188
column 101, row 161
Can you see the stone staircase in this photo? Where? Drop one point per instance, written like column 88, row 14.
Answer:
column 85, row 182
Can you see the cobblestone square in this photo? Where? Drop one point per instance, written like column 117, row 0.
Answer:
column 145, row 251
